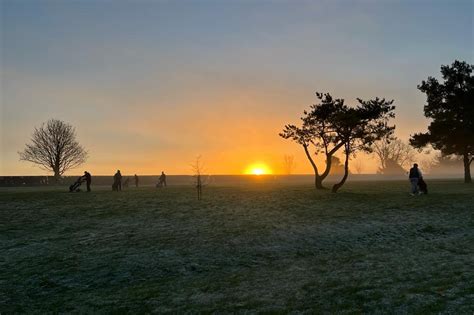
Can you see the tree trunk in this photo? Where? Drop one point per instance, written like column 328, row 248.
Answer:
column 329, row 159
column 318, row 181
column 327, row 170
column 57, row 176
column 467, row 168
column 328, row 167
column 336, row 187
column 56, row 168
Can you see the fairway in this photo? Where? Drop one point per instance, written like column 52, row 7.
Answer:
column 371, row 248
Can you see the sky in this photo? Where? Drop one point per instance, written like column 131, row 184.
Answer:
column 151, row 85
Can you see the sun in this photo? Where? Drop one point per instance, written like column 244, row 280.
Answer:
column 258, row 169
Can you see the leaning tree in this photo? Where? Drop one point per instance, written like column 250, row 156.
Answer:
column 359, row 127
column 54, row 148
column 450, row 106
column 316, row 134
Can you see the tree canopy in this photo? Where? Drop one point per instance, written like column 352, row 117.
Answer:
column 359, row 127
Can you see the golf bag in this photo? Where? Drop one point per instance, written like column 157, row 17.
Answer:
column 75, row 186
column 422, row 186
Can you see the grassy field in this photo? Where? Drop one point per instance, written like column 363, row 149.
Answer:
column 371, row 248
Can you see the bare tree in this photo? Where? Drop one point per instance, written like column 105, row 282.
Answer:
column 394, row 155
column 288, row 164
column 200, row 179
column 54, row 148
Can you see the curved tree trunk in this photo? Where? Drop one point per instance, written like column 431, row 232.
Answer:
column 336, row 187
column 329, row 156
column 467, row 168
column 318, row 183
column 328, row 167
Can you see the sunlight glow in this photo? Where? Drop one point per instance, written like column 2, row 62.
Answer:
column 258, row 169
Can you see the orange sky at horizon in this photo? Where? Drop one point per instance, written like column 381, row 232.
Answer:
column 231, row 128
column 151, row 85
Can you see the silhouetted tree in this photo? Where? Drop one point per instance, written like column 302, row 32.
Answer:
column 288, row 164
column 54, row 148
column 450, row 105
column 317, row 133
column 358, row 128
column 200, row 180
column 394, row 155
column 392, row 167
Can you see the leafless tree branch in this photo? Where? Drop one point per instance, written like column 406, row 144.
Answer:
column 54, row 148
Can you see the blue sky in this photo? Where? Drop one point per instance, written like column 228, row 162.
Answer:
column 151, row 84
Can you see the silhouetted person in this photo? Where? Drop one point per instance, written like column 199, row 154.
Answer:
column 136, row 180
column 88, row 178
column 414, row 176
column 162, row 179
column 118, row 181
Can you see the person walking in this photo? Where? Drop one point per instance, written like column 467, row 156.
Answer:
column 162, row 179
column 136, row 180
column 88, row 178
column 414, row 176
column 118, row 180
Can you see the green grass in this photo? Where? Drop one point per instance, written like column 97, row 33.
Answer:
column 370, row 249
